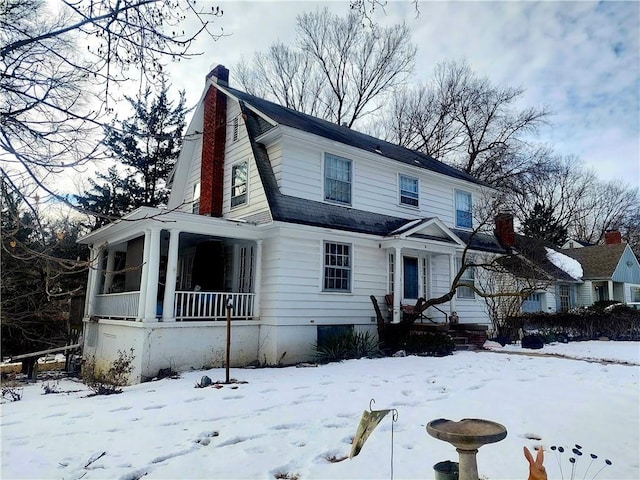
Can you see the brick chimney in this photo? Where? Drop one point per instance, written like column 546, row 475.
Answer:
column 213, row 144
column 612, row 237
column 504, row 229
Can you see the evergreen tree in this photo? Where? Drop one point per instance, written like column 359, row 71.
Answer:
column 541, row 223
column 145, row 147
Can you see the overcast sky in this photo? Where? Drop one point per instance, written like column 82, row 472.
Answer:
column 581, row 59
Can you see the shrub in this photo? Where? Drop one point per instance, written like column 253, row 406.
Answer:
column 430, row 344
column 617, row 322
column 347, row 345
column 11, row 392
column 111, row 381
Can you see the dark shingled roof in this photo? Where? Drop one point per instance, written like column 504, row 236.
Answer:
column 534, row 250
column 345, row 135
column 598, row 261
column 479, row 241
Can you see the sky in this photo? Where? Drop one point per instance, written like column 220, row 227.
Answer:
column 297, row 422
column 580, row 59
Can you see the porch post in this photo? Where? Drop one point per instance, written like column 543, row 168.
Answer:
column 452, row 274
column 95, row 270
column 153, row 274
column 257, row 280
column 610, row 289
column 397, row 284
column 168, row 315
column 108, row 277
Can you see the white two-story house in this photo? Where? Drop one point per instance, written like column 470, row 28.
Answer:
column 290, row 221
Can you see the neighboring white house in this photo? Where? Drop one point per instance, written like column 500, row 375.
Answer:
column 292, row 220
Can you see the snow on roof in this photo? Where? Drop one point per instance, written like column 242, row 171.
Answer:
column 565, row 263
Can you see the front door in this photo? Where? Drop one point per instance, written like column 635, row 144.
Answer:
column 411, row 287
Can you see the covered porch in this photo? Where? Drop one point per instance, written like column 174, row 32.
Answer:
column 423, row 260
column 159, row 266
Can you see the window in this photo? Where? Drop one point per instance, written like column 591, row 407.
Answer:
column 195, row 206
column 565, row 298
column 337, row 179
column 337, row 267
column 463, row 209
column 468, row 277
column 391, row 271
column 239, row 184
column 635, row 294
column 409, row 191
column 532, row 304
column 246, row 261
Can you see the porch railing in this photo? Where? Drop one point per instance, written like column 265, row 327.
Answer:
column 213, row 305
column 117, row 305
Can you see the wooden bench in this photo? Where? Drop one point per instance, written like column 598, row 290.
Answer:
column 30, row 360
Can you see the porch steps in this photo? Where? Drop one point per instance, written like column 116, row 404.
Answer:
column 462, row 343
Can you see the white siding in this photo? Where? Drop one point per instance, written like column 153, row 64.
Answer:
column 235, row 152
column 292, row 274
column 298, row 166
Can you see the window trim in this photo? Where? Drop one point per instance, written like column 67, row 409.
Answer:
column 456, row 209
column 325, row 193
column 245, row 195
column 326, row 267
column 562, row 296
column 195, row 198
column 409, row 195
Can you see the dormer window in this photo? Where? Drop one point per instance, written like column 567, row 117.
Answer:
column 464, row 207
column 239, row 184
column 337, row 179
column 409, row 193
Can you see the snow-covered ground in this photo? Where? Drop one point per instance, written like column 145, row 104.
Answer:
column 292, row 422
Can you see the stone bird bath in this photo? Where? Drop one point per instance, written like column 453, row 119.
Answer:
column 467, row 435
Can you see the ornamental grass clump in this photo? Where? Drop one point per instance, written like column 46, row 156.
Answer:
column 576, row 452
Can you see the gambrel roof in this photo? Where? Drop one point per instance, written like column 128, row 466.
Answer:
column 342, row 134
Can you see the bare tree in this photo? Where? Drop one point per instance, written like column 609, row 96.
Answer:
column 584, row 205
column 337, row 70
column 607, row 206
column 61, row 63
column 466, row 121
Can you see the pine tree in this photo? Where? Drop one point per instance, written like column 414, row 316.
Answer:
column 540, row 223
column 145, row 147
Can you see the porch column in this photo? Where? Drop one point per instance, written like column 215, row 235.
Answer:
column 95, row 270
column 257, row 280
column 153, row 274
column 452, row 274
column 172, row 275
column 397, row 284
column 108, row 277
column 610, row 289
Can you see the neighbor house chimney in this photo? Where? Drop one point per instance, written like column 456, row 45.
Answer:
column 213, row 142
column 504, row 229
column 612, row 237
